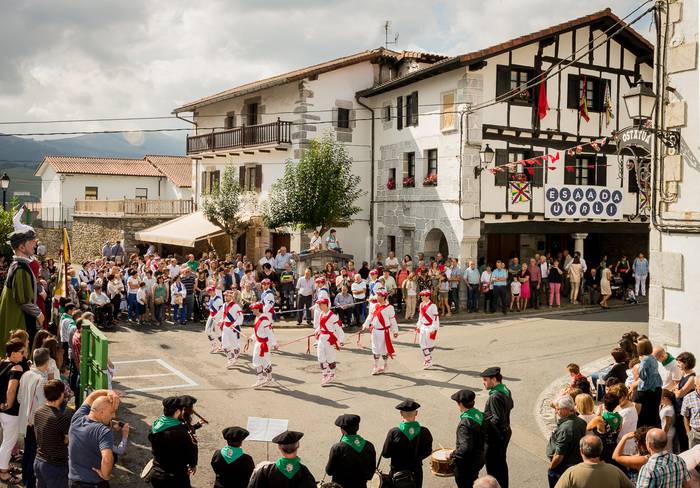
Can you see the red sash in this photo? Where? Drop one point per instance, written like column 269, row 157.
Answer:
column 322, row 329
column 224, row 322
column 387, row 335
column 261, row 340
column 424, row 313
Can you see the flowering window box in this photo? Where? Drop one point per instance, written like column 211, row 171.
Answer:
column 391, row 184
column 430, row 180
column 409, row 182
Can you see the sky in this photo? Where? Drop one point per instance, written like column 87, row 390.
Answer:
column 68, row 59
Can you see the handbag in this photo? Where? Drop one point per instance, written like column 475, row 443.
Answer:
column 159, row 300
column 147, row 471
column 179, row 300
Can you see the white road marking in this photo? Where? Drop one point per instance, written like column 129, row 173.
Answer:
column 188, row 382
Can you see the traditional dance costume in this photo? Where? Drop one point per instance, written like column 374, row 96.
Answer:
column 267, row 297
column 427, row 328
column 231, row 332
column 329, row 336
column 212, row 328
column 382, row 325
column 264, row 341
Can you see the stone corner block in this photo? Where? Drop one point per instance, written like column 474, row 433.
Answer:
column 676, row 114
column 666, row 269
column 673, row 168
column 682, row 57
column 664, row 332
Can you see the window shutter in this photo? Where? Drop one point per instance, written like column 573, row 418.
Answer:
column 601, row 171
column 573, row 92
column 241, row 176
column 205, row 182
column 501, row 159
column 537, row 177
column 502, row 80
column 399, row 113
column 447, row 119
column 409, row 110
column 258, row 177
column 216, row 179
column 414, row 108
column 600, row 94
column 569, row 170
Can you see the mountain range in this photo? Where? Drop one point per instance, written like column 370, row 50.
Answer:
column 20, row 157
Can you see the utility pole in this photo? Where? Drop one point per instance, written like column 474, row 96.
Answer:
column 387, row 29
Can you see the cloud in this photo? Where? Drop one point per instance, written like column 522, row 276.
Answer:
column 85, row 59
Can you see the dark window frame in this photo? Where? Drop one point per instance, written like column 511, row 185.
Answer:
column 343, row 121
column 137, row 197
column 88, row 189
column 509, row 78
column 591, row 173
column 387, row 113
column 431, row 155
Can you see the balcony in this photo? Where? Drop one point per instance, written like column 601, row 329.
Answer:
column 274, row 133
column 133, row 208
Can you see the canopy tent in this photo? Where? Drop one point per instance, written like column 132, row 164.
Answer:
column 182, row 231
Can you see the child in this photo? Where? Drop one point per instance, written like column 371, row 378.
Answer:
column 667, row 414
column 577, row 379
column 444, row 291
column 515, row 295
column 631, row 296
column 141, row 298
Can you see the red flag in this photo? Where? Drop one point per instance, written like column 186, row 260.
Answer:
column 583, row 103
column 554, row 157
column 542, row 103
column 531, row 171
column 570, row 169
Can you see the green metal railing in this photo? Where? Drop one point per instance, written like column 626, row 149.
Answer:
column 93, row 360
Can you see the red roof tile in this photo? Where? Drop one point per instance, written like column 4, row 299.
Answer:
column 176, row 168
column 88, row 165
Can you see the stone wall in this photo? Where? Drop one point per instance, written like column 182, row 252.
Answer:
column 52, row 239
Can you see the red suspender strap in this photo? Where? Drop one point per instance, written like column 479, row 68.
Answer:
column 261, row 340
column 323, row 329
column 387, row 333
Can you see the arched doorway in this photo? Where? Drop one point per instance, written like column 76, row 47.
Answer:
column 435, row 242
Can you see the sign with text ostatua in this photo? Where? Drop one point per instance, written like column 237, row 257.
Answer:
column 582, row 202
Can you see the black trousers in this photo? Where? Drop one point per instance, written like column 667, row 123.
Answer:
column 345, row 315
column 496, row 462
column 417, row 475
column 465, row 475
column 500, row 296
column 649, row 413
column 534, row 295
column 304, row 304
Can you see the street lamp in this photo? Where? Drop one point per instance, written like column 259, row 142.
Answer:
column 640, row 102
column 486, row 156
column 4, row 183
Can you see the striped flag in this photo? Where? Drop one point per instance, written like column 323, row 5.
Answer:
column 583, row 103
column 608, row 106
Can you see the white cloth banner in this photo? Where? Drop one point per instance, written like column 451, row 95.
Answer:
column 583, row 202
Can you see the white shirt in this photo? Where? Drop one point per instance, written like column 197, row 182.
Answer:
column 305, row 286
column 629, row 424
column 134, row 281
column 266, row 260
column 315, row 243
column 544, row 269
column 359, row 290
column 486, row 278
column 668, row 411
column 392, row 263
column 98, row 298
column 141, row 295
column 670, row 374
column 173, row 271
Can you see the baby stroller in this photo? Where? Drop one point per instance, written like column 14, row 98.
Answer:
column 201, row 306
column 617, row 286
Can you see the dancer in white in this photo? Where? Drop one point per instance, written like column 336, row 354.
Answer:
column 264, row 339
column 267, row 297
column 382, row 324
column 231, row 329
column 321, row 288
column 212, row 328
column 329, row 339
column 427, row 327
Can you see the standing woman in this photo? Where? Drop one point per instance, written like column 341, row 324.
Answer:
column 575, row 275
column 409, row 292
column 555, row 279
column 178, row 292
column 160, row 298
column 648, row 386
column 605, row 290
column 444, row 291
column 434, row 275
column 11, row 372
column 486, row 290
column 686, row 363
column 523, row 277
column 408, row 262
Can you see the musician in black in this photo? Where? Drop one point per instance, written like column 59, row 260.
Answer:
column 233, row 468
column 287, row 471
column 188, row 402
column 468, row 456
column 408, row 444
column 497, row 424
column 174, row 450
column 352, row 461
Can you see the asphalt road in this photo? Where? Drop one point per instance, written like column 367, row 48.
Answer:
column 532, row 352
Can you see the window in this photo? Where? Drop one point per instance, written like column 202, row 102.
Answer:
column 210, row 180
column 432, row 156
column 409, row 170
column 533, row 173
column 141, row 193
column 595, row 92
column 90, row 193
column 399, row 113
column 387, row 113
column 230, row 120
column 252, row 114
column 391, row 244
column 343, row 118
column 249, row 178
column 391, row 182
column 585, row 169
column 412, row 109
column 509, row 79
column 447, row 117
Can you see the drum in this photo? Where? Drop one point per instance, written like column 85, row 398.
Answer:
column 379, row 480
column 440, row 463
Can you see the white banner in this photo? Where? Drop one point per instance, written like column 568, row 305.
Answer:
column 582, row 202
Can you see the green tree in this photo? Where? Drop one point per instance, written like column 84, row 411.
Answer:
column 222, row 206
column 6, row 226
column 319, row 191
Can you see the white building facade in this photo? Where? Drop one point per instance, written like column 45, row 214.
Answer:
column 675, row 233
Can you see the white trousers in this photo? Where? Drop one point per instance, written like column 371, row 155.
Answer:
column 379, row 343
column 212, row 328
column 230, row 339
column 640, row 283
column 325, row 352
column 10, row 432
column 424, row 338
column 261, row 361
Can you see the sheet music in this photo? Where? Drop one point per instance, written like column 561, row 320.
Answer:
column 262, row 429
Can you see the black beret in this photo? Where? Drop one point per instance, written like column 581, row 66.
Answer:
column 348, row 422
column 408, row 406
column 490, row 372
column 234, row 434
column 465, row 397
column 172, row 402
column 187, row 400
column 287, row 437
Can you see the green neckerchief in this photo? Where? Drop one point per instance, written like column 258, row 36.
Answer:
column 668, row 359
column 230, row 454
column 473, row 414
column 613, row 419
column 288, row 467
column 164, row 422
column 500, row 387
column 410, row 429
column 354, row 440
column 66, row 316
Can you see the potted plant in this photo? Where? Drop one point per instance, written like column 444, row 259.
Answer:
column 391, row 184
column 430, row 180
column 409, row 182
